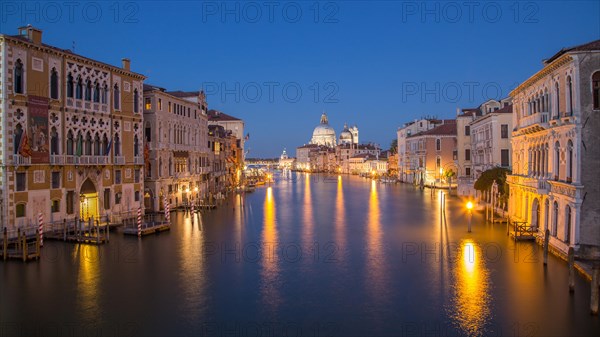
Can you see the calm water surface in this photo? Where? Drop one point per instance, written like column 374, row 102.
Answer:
column 310, row 256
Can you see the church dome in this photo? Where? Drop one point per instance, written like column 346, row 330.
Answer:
column 323, row 134
column 345, row 135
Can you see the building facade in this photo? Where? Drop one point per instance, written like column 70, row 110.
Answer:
column 176, row 134
column 490, row 141
column 405, row 171
column 554, row 182
column 430, row 153
column 71, row 133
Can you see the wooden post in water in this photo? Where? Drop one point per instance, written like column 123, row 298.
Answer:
column 24, row 245
column 546, row 244
column 595, row 290
column 98, row 231
column 64, row 229
column 37, row 244
column 571, row 270
column 5, row 244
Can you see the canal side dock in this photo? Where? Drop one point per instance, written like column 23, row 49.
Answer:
column 152, row 224
column 90, row 232
column 21, row 244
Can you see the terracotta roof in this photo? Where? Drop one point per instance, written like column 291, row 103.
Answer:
column 590, row 46
column 218, row 116
column 505, row 110
column 308, row 146
column 68, row 51
column 181, row 94
column 446, row 129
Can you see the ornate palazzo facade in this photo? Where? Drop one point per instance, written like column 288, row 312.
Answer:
column 71, row 133
column 554, row 182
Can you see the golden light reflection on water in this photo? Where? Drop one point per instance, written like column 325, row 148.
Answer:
column 88, row 280
column 374, row 250
column 340, row 216
column 471, row 300
column 270, row 272
column 192, row 269
column 307, row 216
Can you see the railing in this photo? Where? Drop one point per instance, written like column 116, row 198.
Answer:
column 119, row 160
column 522, row 231
column 20, row 160
column 56, row 159
column 536, row 118
column 138, row 160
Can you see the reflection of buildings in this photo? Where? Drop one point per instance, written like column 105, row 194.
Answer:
column 176, row 131
column 554, row 181
column 82, row 155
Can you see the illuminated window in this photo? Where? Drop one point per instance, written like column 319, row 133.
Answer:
column 148, row 104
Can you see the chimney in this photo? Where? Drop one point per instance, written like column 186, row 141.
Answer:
column 31, row 33
column 126, row 64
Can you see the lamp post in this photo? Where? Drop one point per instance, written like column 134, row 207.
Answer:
column 469, row 209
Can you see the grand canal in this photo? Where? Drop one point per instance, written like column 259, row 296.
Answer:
column 310, row 255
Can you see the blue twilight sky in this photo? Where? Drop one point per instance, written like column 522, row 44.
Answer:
column 278, row 65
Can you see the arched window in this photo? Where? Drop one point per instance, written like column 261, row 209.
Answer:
column 136, row 146
column 159, row 167
column 70, row 85
column 596, row 89
column 97, row 93
column 19, row 76
column 53, row 141
column 438, row 162
column 18, row 134
column 105, row 94
column 88, row 90
column 555, row 220
column 79, row 145
column 79, row 89
column 104, row 145
column 54, row 84
column 117, row 148
column 569, row 161
column 70, row 143
column 556, row 160
column 557, row 110
column 88, row 144
column 116, row 97
column 568, row 224
column 97, row 150
column 136, row 101
column 570, row 95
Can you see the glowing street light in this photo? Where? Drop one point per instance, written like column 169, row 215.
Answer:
column 470, row 208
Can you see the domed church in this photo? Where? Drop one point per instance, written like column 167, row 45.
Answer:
column 349, row 135
column 323, row 133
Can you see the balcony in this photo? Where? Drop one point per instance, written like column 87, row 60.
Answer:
column 138, row 160
column 539, row 186
column 119, row 160
column 56, row 159
column 20, row 160
column 534, row 123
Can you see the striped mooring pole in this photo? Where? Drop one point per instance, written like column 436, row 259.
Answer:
column 139, row 218
column 41, row 227
column 167, row 210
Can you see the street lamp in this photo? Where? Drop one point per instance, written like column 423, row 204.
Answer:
column 470, row 208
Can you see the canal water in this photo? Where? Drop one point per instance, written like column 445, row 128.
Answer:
column 311, row 255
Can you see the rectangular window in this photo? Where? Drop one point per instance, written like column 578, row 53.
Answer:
column 107, row 198
column 468, row 171
column 20, row 210
column 70, row 199
column 137, row 196
column 467, row 154
column 55, row 179
column 159, row 104
column 504, row 160
column 170, row 110
column 136, row 175
column 118, row 198
column 467, row 130
column 148, row 134
column 55, row 206
column 148, row 104
column 504, row 131
column 117, row 176
column 21, row 181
